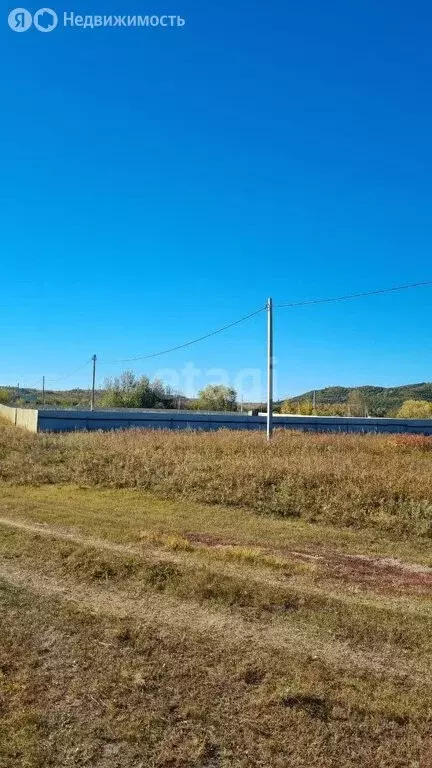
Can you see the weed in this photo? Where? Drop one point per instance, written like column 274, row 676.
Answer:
column 357, row 481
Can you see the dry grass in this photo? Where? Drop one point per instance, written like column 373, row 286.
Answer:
column 367, row 622
column 381, row 482
column 114, row 659
column 146, row 626
column 85, row 690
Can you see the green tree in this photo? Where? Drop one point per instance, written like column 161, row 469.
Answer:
column 217, row 397
column 5, row 396
column 128, row 391
column 415, row 409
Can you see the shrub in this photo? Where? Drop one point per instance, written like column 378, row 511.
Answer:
column 5, row 397
column 415, row 409
column 128, row 391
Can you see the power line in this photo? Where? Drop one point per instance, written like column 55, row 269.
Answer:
column 353, row 295
column 188, row 343
column 37, row 386
column 69, row 375
column 242, row 320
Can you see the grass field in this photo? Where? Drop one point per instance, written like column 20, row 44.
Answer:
column 209, row 601
column 382, row 482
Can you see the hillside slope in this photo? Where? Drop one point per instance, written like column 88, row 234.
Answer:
column 380, row 401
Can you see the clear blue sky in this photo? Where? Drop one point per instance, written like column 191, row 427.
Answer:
column 158, row 183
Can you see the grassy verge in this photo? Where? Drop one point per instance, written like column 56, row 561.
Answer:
column 379, row 482
column 133, row 516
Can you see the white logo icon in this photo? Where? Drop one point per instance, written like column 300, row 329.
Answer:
column 45, row 20
column 20, row 20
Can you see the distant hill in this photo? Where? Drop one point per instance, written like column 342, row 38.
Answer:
column 379, row 401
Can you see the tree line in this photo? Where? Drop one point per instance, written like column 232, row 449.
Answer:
column 127, row 391
column 131, row 391
column 358, row 405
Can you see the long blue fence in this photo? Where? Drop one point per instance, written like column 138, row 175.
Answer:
column 66, row 421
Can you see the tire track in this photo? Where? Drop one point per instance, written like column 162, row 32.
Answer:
column 153, row 554
column 193, row 617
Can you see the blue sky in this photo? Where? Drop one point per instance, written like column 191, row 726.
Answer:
column 156, row 184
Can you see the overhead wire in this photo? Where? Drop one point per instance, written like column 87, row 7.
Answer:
column 69, row 375
column 348, row 296
column 58, row 378
column 292, row 304
column 187, row 343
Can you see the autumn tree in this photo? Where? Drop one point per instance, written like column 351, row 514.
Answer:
column 415, row 409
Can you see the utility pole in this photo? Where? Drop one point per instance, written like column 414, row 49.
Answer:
column 269, row 369
column 314, row 400
column 92, row 403
column 43, row 390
